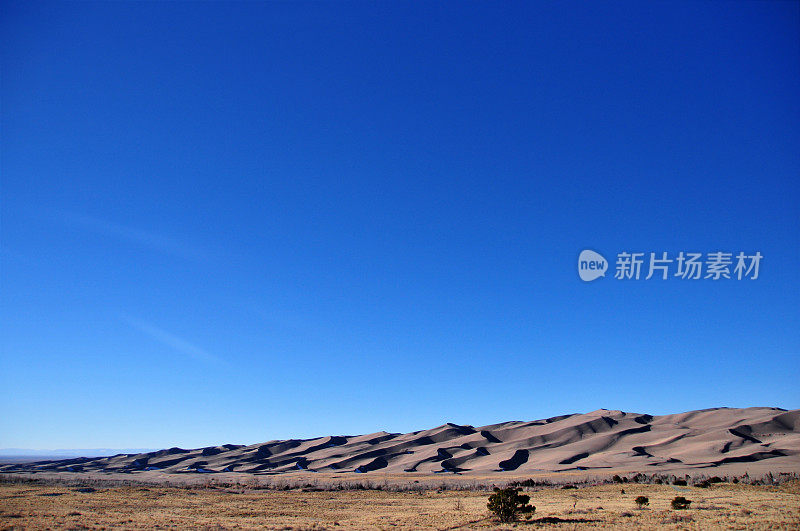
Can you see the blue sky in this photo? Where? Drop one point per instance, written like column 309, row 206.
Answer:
column 235, row 222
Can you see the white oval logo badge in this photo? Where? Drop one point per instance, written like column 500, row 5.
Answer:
column 591, row 265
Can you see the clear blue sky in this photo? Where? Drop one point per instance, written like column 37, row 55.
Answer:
column 234, row 222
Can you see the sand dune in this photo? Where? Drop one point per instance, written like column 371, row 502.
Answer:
column 602, row 440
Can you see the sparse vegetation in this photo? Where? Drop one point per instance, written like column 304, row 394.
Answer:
column 531, row 483
column 290, row 503
column 508, row 503
column 642, row 501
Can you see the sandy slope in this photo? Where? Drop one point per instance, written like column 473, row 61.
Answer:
column 599, row 441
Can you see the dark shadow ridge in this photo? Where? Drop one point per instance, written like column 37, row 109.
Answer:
column 631, row 431
column 489, row 437
column 746, row 437
column 560, row 417
column 577, row 457
column 376, row 464
column 520, row 457
column 459, row 429
column 639, row 450
column 441, row 455
column 611, row 422
column 758, row 456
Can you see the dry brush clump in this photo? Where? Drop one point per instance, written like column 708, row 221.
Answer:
column 679, row 503
column 507, row 503
column 704, row 480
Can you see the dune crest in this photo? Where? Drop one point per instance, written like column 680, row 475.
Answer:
column 602, row 440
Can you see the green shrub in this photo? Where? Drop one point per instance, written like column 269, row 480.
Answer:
column 679, row 502
column 508, row 503
column 641, row 501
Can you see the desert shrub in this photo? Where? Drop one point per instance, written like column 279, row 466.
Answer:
column 530, row 483
column 616, row 479
column 679, row 482
column 508, row 503
column 715, row 479
column 567, row 487
column 679, row 502
column 703, row 484
column 641, row 501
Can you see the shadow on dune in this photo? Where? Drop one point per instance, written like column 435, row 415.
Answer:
column 376, row 464
column 744, row 436
column 520, row 457
column 757, row 456
column 489, row 437
column 570, row 460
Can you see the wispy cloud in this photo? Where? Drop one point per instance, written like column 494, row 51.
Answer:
column 171, row 340
column 144, row 238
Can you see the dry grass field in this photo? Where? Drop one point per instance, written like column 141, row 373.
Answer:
column 34, row 505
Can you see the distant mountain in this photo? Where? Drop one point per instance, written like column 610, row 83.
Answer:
column 601, row 441
column 16, row 455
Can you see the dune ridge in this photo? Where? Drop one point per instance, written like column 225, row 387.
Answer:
column 602, row 440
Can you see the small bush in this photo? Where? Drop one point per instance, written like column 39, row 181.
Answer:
column 641, row 501
column 616, row 479
column 530, row 483
column 508, row 503
column 679, row 502
column 679, row 482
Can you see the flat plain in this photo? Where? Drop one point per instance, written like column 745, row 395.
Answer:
column 40, row 505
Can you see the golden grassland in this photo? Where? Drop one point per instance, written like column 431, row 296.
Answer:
column 35, row 505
